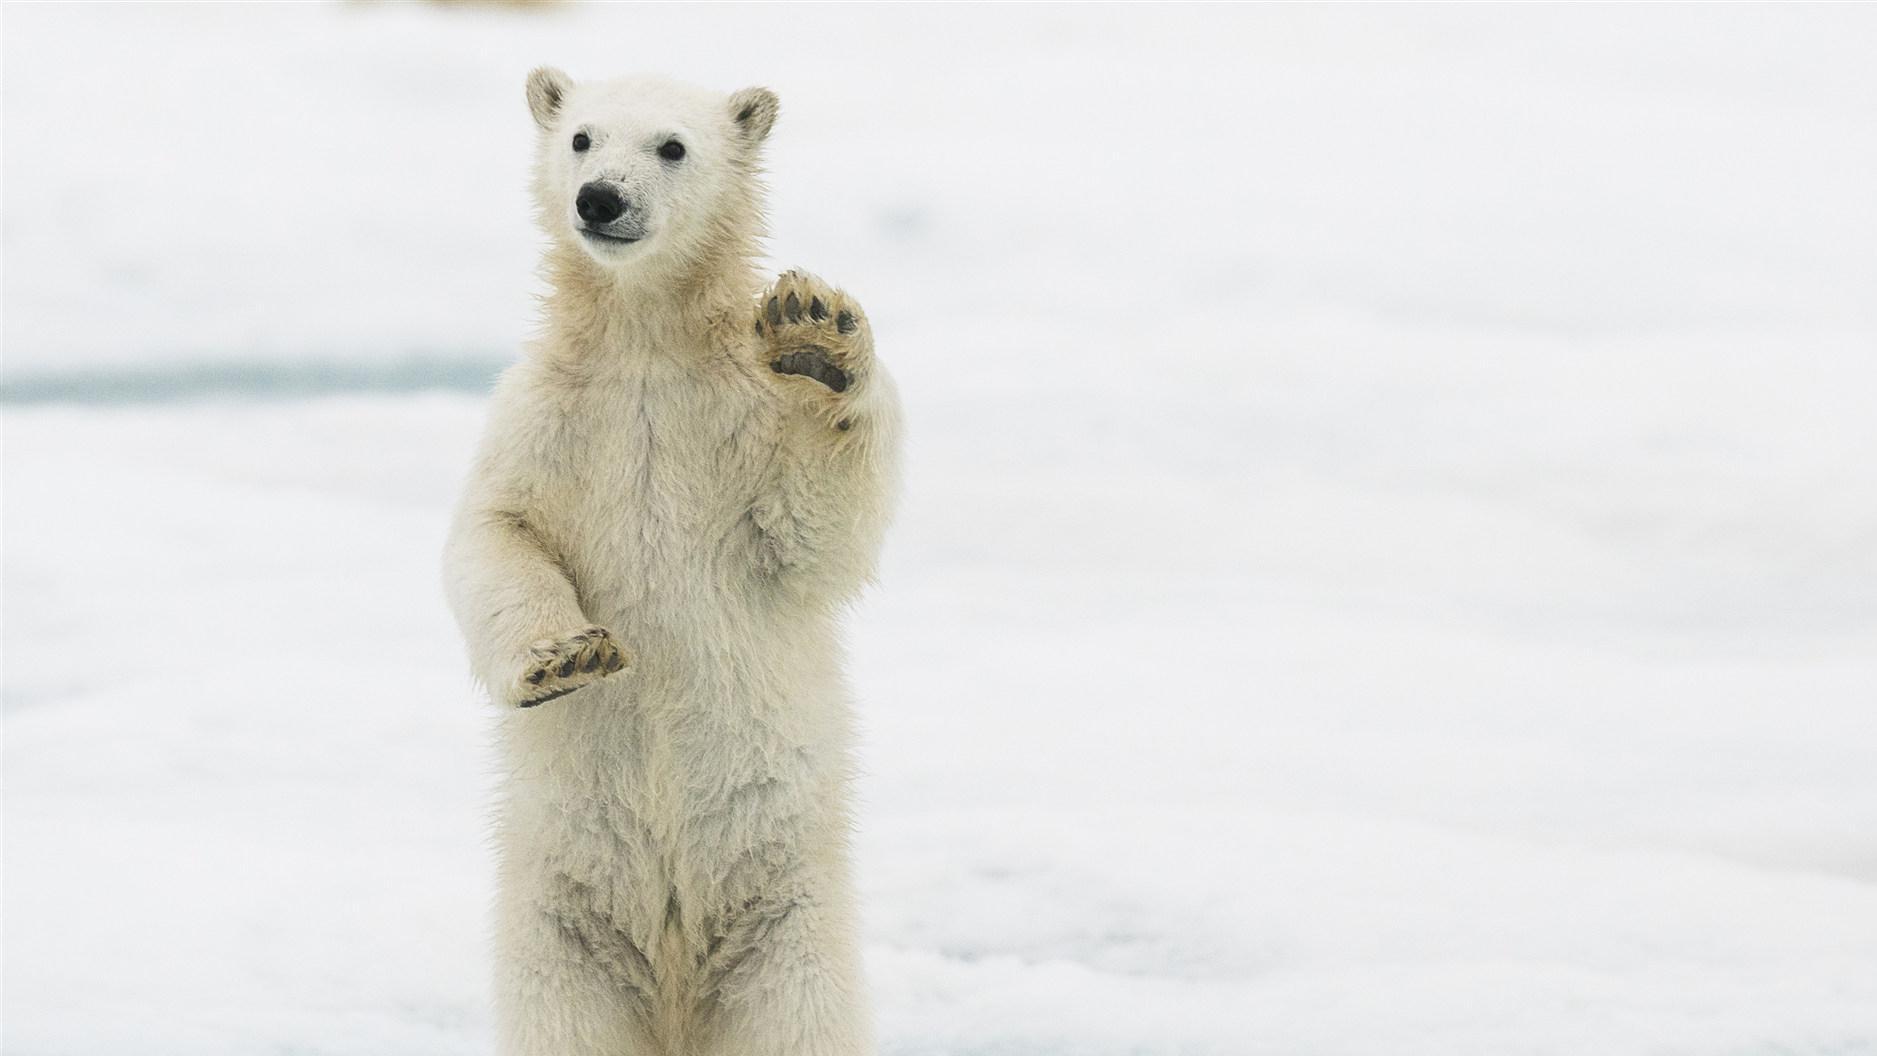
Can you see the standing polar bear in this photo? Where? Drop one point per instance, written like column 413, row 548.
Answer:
column 679, row 487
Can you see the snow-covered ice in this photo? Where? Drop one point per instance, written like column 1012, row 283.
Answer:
column 1389, row 562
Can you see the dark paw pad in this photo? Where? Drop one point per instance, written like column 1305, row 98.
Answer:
column 812, row 361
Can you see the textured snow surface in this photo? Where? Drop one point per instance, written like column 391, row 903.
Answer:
column 1389, row 563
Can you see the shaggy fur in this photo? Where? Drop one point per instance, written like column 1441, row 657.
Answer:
column 680, row 486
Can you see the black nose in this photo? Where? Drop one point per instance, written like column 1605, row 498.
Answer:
column 599, row 204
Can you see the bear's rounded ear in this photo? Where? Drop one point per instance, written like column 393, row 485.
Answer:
column 547, row 87
column 754, row 110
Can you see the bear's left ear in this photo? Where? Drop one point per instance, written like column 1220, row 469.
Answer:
column 754, row 110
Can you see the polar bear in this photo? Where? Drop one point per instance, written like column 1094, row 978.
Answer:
column 680, row 486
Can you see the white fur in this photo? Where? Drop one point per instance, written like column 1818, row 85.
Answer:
column 672, row 837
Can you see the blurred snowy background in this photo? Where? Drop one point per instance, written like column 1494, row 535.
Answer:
column 1390, row 559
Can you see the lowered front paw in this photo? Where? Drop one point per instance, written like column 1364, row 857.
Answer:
column 558, row 666
column 812, row 333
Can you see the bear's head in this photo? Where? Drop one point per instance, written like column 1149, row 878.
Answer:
column 638, row 170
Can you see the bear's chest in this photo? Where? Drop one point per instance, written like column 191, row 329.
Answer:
column 663, row 467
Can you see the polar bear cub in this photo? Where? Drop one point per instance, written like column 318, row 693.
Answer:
column 680, row 486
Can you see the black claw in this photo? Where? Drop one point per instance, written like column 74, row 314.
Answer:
column 566, row 667
column 535, row 676
column 844, row 425
column 592, row 662
column 816, row 310
column 845, row 322
column 545, row 697
column 792, row 308
column 774, row 312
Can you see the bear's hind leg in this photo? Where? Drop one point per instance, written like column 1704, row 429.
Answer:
column 793, row 986
column 556, row 997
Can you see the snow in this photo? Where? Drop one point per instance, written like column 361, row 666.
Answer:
column 1387, row 563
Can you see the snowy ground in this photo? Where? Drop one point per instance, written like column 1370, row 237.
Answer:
column 1390, row 561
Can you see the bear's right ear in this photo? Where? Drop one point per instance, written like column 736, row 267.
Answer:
column 754, row 110
column 547, row 87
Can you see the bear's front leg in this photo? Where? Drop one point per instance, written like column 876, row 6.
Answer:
column 825, row 506
column 520, row 615
column 817, row 342
column 558, row 666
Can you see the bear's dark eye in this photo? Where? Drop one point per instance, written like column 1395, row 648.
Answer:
column 672, row 150
column 581, row 142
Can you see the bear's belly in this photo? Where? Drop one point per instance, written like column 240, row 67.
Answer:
column 693, row 782
column 656, row 819
column 666, row 799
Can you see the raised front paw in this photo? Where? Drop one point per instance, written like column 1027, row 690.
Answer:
column 813, row 332
column 558, row 666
